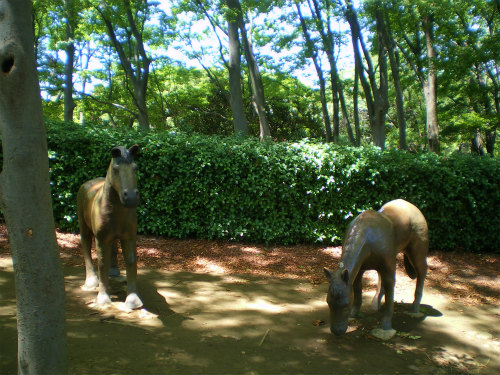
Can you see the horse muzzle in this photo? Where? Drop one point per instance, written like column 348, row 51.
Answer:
column 129, row 198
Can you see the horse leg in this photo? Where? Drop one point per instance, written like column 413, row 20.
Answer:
column 417, row 255
column 377, row 298
column 113, row 269
column 357, row 290
column 388, row 282
column 91, row 280
column 130, row 256
column 104, row 258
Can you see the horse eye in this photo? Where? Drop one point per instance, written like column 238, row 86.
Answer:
column 134, row 166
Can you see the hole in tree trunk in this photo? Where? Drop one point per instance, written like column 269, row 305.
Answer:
column 7, row 64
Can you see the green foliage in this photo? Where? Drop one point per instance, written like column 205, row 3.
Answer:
column 242, row 189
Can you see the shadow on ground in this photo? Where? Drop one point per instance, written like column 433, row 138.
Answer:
column 209, row 323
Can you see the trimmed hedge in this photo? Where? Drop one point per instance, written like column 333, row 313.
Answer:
column 246, row 190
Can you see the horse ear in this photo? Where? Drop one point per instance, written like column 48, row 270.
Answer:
column 134, row 150
column 328, row 274
column 345, row 275
column 116, row 152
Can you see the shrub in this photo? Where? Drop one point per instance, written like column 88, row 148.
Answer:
column 242, row 189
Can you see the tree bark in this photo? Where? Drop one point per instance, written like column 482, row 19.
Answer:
column 376, row 96
column 69, row 103
column 140, row 75
column 394, row 62
column 236, row 97
column 253, row 70
column 430, row 93
column 26, row 202
column 311, row 51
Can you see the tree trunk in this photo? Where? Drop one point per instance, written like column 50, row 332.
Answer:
column 138, row 74
column 394, row 62
column 311, row 51
column 253, row 70
column 430, row 93
column 240, row 122
column 355, row 109
column 26, row 202
column 69, row 104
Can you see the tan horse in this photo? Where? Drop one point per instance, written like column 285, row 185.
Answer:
column 107, row 212
column 372, row 241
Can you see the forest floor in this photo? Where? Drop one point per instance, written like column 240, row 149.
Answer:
column 215, row 307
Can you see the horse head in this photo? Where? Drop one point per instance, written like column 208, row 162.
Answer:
column 339, row 298
column 122, row 175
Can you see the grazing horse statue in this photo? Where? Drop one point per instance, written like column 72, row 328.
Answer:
column 107, row 211
column 372, row 241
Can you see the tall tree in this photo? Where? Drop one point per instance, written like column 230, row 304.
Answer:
column 25, row 199
column 430, row 88
column 328, row 41
column 258, row 99
column 312, row 52
column 376, row 91
column 394, row 61
column 69, row 103
column 130, row 20
column 236, row 96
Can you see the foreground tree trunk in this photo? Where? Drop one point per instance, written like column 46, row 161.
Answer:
column 25, row 199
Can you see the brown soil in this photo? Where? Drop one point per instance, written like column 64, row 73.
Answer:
column 224, row 307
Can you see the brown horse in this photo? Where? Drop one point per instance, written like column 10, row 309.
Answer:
column 107, row 212
column 372, row 241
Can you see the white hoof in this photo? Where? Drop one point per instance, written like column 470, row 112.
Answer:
column 383, row 334
column 90, row 283
column 102, row 299
column 133, row 301
column 415, row 314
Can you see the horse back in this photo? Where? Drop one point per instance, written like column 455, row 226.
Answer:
column 409, row 223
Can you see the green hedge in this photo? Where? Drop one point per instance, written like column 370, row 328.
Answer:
column 246, row 190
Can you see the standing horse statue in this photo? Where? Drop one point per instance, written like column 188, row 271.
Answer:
column 372, row 241
column 107, row 212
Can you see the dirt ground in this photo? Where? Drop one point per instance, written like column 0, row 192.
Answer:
column 213, row 307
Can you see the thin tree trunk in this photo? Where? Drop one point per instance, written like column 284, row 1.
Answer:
column 236, row 97
column 430, row 88
column 355, row 108
column 253, row 70
column 138, row 75
column 69, row 103
column 394, row 62
column 26, row 202
column 322, row 87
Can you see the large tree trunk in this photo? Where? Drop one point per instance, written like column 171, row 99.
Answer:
column 69, row 103
column 236, row 97
column 430, row 93
column 253, row 70
column 25, row 200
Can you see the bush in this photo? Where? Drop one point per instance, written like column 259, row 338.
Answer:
column 242, row 189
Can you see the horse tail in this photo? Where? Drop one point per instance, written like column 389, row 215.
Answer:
column 410, row 270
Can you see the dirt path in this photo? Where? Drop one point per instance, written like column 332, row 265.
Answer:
column 217, row 308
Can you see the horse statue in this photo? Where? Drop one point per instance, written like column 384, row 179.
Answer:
column 107, row 212
column 371, row 242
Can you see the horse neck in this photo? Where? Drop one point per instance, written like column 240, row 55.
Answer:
column 109, row 194
column 353, row 256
